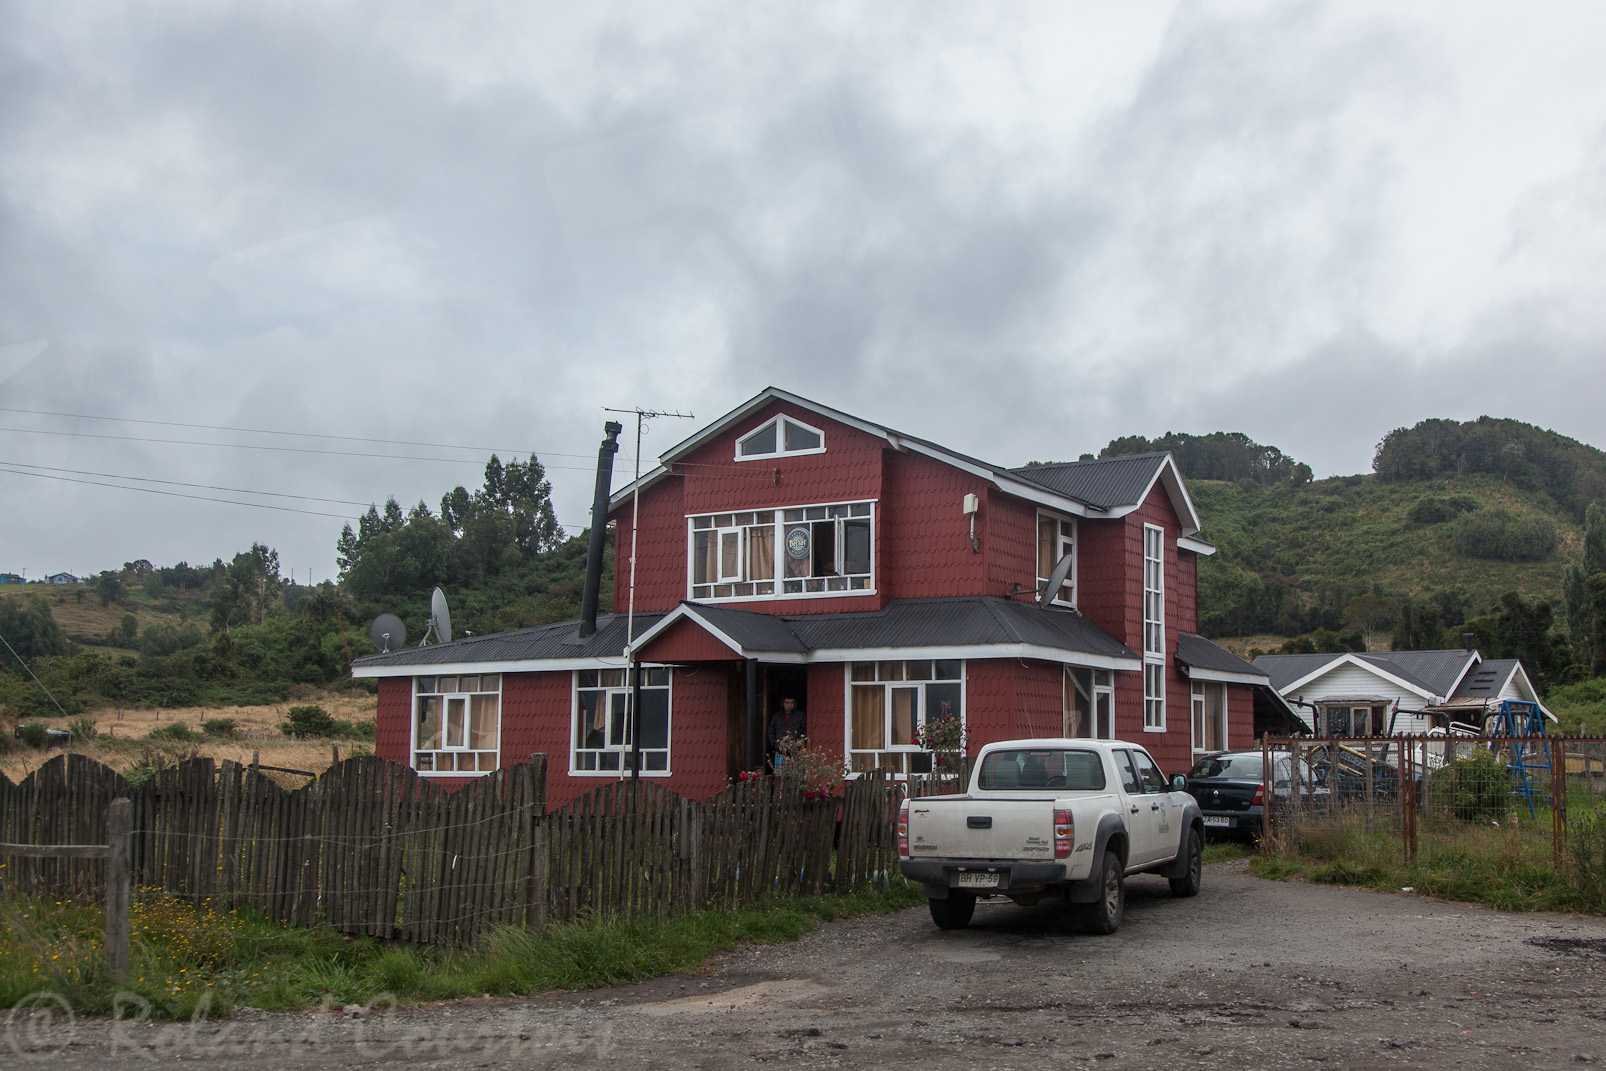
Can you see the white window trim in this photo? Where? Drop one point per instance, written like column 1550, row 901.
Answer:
column 412, row 732
column 1154, row 658
column 1076, row 540
column 623, row 772
column 1198, row 710
column 780, row 554
column 1068, row 681
column 848, row 682
column 779, row 423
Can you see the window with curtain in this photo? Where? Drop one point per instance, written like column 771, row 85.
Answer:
column 601, row 741
column 803, row 550
column 888, row 702
column 457, row 723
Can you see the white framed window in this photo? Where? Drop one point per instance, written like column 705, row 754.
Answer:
column 800, row 550
column 1209, row 716
column 457, row 724
column 1153, row 629
column 781, row 437
column 600, row 742
column 888, row 702
column 1056, row 537
column 1089, row 703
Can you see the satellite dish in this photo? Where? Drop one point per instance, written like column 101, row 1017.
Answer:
column 1056, row 580
column 388, row 633
column 440, row 620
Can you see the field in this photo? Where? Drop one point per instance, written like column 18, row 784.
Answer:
column 121, row 739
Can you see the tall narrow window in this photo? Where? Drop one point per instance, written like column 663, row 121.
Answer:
column 1056, row 537
column 1153, row 628
column 1209, row 716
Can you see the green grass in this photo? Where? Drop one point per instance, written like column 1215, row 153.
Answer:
column 182, row 955
column 1221, row 851
column 1506, row 867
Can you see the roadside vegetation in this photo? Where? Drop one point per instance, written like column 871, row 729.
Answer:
column 213, row 958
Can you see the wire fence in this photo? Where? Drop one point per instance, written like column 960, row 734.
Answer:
column 369, row 847
column 1437, row 793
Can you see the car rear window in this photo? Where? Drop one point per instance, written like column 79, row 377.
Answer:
column 1071, row 769
column 1247, row 766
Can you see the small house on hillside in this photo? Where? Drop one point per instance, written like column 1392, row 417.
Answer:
column 12, row 578
column 62, row 578
column 1379, row 693
column 880, row 580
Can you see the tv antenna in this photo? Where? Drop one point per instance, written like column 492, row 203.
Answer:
column 440, row 620
column 388, row 633
column 642, row 416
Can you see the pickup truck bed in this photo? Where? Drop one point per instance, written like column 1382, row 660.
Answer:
column 1066, row 818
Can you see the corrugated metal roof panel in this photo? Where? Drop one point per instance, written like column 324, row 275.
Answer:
column 1106, row 482
column 1196, row 651
column 559, row 640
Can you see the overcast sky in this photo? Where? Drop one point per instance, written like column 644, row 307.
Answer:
column 1019, row 229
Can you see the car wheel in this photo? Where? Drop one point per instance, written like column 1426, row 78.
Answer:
column 953, row 913
column 1104, row 914
column 1188, row 884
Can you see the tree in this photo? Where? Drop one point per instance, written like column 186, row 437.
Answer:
column 109, row 586
column 1417, row 628
column 1369, row 614
column 31, row 630
column 251, row 583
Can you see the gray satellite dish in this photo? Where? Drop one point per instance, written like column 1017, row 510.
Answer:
column 440, row 620
column 1056, row 580
column 388, row 632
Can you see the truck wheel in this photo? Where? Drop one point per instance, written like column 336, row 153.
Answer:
column 1104, row 914
column 1188, row 884
column 953, row 913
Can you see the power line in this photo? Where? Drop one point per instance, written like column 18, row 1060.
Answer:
column 274, row 431
column 181, row 483
column 176, row 494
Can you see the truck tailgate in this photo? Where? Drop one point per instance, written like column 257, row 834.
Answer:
column 962, row 827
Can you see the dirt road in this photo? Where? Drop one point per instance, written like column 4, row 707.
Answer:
column 1252, row 974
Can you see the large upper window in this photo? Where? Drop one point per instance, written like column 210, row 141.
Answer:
column 778, row 438
column 890, row 701
column 807, row 550
column 456, row 723
column 1153, row 628
column 602, row 721
column 1056, row 537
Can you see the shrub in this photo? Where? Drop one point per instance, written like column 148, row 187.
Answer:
column 218, row 727
column 1586, row 844
column 83, row 729
column 1437, row 510
column 34, row 734
column 1473, row 789
column 1500, row 535
column 309, row 720
column 174, row 731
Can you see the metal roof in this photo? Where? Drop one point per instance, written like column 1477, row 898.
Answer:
column 1485, row 680
column 1199, row 653
column 1285, row 669
column 1435, row 672
column 560, row 640
column 1104, row 483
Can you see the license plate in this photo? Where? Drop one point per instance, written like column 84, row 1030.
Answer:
column 974, row 879
column 1218, row 820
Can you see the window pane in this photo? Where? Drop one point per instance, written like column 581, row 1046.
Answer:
column 863, row 671
column 947, row 669
column 588, row 722
column 824, row 557
column 618, row 723
column 861, row 509
column 456, row 715
column 855, row 547
column 613, row 678
column 942, row 701
column 448, row 684
column 761, row 553
column 890, row 671
column 655, row 760
column 1047, row 544
column 655, row 718
column 429, row 723
column 704, row 563
column 798, row 550
column 761, row 441
column 482, row 722
column 905, row 714
column 730, row 555
column 801, row 438
column 490, row 681
column 702, row 522
column 425, row 684
column 918, row 671
column 469, row 684
column 587, row 678
column 657, row 677
column 869, row 719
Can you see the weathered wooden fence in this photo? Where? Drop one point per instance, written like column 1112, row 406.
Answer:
column 370, row 847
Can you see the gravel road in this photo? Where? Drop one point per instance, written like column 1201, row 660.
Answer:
column 1253, row 974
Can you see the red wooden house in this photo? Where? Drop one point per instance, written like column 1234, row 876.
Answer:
column 880, row 580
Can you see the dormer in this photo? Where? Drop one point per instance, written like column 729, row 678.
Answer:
column 780, row 437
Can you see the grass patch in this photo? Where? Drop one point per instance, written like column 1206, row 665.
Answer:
column 181, row 954
column 1506, row 867
column 1222, row 851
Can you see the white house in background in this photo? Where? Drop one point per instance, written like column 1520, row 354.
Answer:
column 1377, row 693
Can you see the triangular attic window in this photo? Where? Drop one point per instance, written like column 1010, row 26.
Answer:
column 779, row 438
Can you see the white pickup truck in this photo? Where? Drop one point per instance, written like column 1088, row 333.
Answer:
column 1060, row 817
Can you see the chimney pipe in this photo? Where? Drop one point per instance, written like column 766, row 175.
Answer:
column 599, row 528
column 1468, row 639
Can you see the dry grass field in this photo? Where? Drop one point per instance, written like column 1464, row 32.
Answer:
column 122, row 737
column 87, row 617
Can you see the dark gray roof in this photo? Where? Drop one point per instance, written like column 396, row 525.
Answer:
column 970, row 621
column 1434, row 672
column 1199, row 653
column 558, row 640
column 1105, row 483
column 1485, row 680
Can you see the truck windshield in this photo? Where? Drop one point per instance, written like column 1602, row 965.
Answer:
column 1041, row 768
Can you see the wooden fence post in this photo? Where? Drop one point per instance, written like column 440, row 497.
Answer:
column 119, row 824
column 540, row 852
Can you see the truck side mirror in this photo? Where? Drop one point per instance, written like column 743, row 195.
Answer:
column 1179, row 783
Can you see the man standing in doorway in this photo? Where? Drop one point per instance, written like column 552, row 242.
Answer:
column 790, row 720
